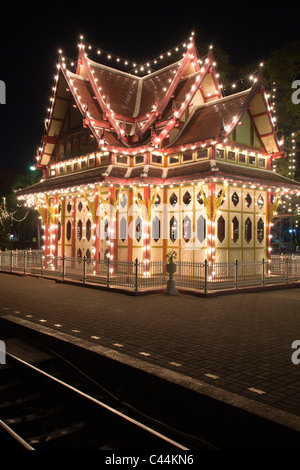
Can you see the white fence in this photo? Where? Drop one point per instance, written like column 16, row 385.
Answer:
column 141, row 276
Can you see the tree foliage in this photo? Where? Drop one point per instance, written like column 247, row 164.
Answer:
column 19, row 225
column 282, row 68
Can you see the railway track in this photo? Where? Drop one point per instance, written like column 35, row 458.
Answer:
column 45, row 405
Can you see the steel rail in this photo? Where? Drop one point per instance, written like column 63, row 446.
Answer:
column 16, row 436
column 100, row 403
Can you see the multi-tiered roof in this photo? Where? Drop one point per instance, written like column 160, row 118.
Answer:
column 177, row 108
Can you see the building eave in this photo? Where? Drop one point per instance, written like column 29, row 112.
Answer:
column 148, row 174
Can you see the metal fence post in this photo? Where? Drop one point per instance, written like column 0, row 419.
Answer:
column 11, row 261
column 263, row 271
column 63, row 267
column 84, row 270
column 205, row 275
column 236, row 273
column 292, row 266
column 136, row 275
column 108, row 272
column 25, row 254
column 287, row 270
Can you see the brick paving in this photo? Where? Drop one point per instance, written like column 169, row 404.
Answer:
column 239, row 343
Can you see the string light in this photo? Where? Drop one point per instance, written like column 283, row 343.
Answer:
column 142, row 68
column 133, row 67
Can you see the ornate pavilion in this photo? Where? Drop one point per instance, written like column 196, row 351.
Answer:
column 137, row 166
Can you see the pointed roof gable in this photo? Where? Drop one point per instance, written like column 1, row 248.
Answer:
column 214, row 121
column 127, row 113
column 122, row 110
column 264, row 123
column 208, row 122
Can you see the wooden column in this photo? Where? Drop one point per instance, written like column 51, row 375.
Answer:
column 112, row 223
column 268, row 234
column 146, row 230
column 63, row 225
column 55, row 231
column 165, row 223
column 46, row 234
column 73, row 235
column 129, row 225
column 211, row 222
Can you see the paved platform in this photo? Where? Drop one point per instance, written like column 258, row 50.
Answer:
column 241, row 344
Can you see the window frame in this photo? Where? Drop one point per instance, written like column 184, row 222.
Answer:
column 120, row 155
column 141, row 163
column 187, row 152
column 222, row 150
column 156, row 155
column 172, row 156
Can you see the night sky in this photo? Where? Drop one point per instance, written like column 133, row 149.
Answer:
column 31, row 37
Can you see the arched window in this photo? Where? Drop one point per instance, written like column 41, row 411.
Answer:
column 201, row 229
column 69, row 207
column 260, row 230
column 138, row 229
column 88, row 230
column 157, row 200
column 156, row 229
column 79, row 230
column 260, row 201
column 173, row 199
column 173, row 229
column 123, row 229
column 123, row 201
column 221, row 229
column 187, row 198
column 223, row 198
column 106, row 227
column 199, row 198
column 235, row 199
column 235, row 229
column 248, row 200
column 248, row 230
column 187, row 229
column 69, row 230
